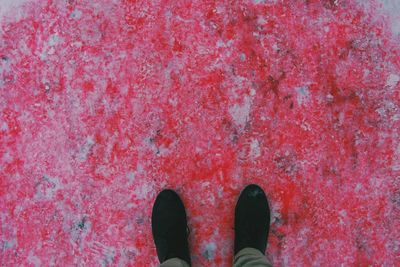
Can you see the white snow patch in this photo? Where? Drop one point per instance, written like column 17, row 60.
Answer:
column 255, row 150
column 4, row 127
column 85, row 149
column 209, row 251
column 76, row 14
column 9, row 5
column 130, row 175
column 392, row 80
column 392, row 10
column 33, row 259
column 54, row 39
column 240, row 113
column 142, row 191
column 47, row 187
column 303, row 95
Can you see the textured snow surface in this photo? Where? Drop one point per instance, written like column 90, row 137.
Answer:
column 105, row 103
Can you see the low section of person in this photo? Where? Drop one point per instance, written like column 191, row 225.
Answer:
column 252, row 218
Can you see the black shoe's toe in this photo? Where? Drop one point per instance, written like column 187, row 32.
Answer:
column 169, row 226
column 252, row 218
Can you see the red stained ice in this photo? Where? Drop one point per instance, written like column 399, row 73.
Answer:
column 105, row 103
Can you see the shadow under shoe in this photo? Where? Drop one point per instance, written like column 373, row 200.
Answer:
column 169, row 227
column 252, row 219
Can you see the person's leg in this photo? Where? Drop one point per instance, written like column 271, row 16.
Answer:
column 175, row 262
column 250, row 257
column 252, row 218
column 170, row 232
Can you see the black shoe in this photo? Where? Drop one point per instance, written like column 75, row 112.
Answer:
column 252, row 219
column 169, row 226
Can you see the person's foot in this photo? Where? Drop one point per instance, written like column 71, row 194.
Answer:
column 252, row 217
column 169, row 226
